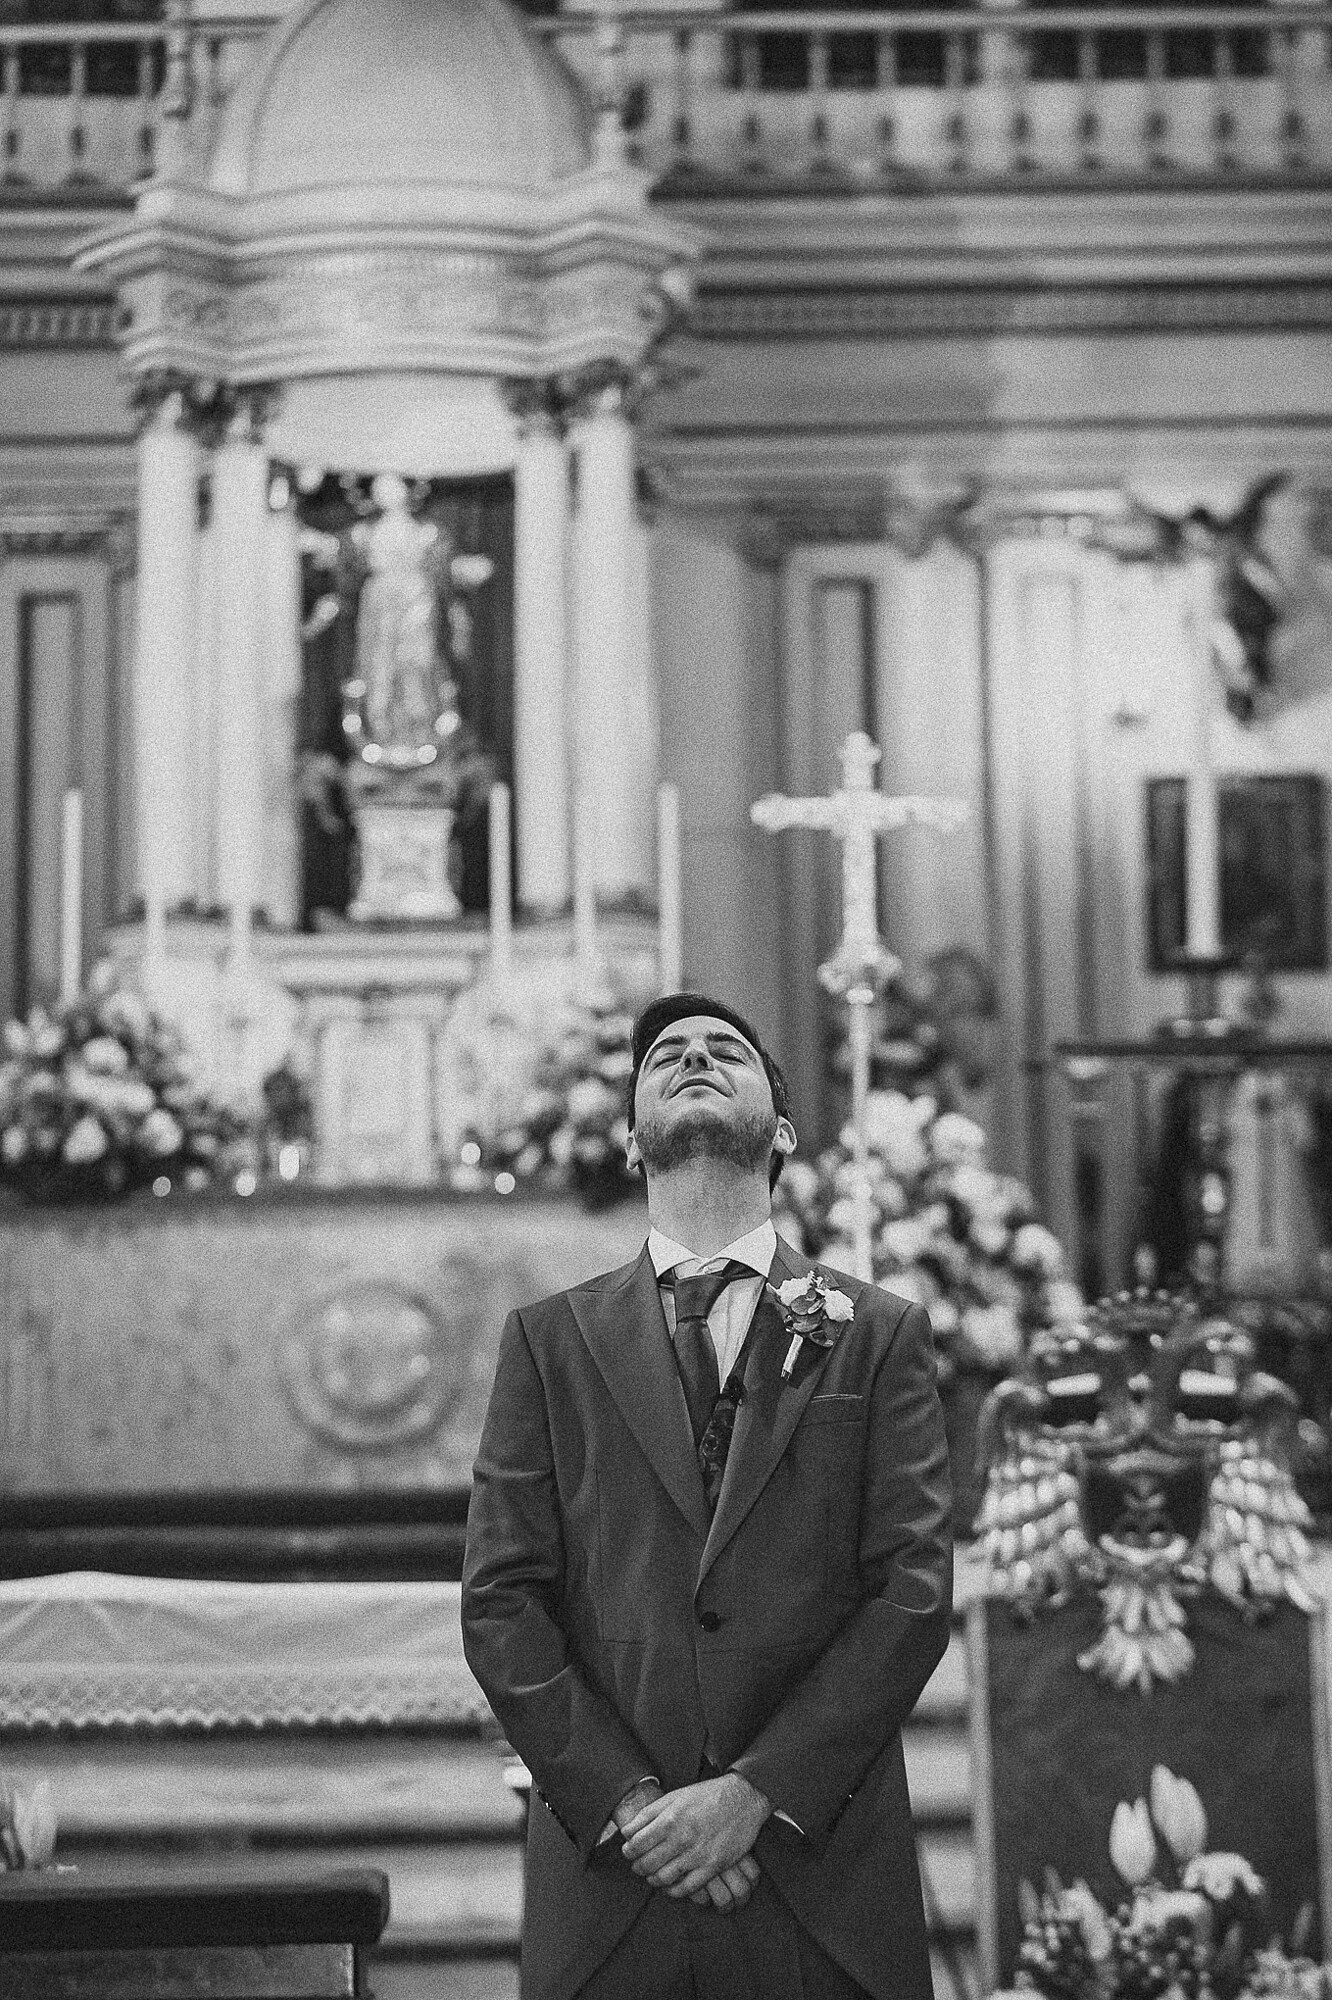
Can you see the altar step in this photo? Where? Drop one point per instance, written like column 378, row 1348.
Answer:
column 434, row 1812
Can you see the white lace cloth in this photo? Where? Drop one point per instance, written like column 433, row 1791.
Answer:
column 86, row 1650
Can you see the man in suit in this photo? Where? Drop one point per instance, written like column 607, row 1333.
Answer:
column 702, row 1597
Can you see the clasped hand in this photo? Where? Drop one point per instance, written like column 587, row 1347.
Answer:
column 696, row 1841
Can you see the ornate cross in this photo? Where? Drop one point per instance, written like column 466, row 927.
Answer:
column 861, row 966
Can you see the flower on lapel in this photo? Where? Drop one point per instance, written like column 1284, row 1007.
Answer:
column 813, row 1311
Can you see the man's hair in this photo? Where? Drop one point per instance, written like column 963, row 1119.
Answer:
column 659, row 1014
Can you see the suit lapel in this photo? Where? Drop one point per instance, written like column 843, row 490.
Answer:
column 770, row 1411
column 626, row 1333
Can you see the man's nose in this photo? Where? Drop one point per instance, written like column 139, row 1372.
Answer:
column 697, row 1055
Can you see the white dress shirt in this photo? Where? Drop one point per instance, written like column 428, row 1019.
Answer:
column 728, row 1322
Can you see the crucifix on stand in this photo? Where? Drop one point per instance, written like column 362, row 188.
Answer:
column 862, row 965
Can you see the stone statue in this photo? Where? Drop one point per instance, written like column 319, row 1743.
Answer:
column 400, row 706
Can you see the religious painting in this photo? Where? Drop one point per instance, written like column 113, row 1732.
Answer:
column 1273, row 889
column 407, row 679
column 1055, row 1750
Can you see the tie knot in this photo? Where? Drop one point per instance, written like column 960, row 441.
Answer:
column 695, row 1297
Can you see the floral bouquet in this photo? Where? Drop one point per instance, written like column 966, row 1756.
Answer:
column 949, row 1231
column 572, row 1127
column 97, row 1097
column 27, row 1825
column 1185, row 1931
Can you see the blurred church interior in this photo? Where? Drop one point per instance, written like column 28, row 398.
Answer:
column 455, row 459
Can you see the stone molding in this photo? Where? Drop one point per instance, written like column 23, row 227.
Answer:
column 266, row 292
column 110, row 539
column 53, row 322
column 764, row 314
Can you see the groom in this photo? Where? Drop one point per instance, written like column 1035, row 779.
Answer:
column 702, row 1596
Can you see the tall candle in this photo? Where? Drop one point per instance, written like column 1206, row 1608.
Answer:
column 670, row 945
column 71, row 894
column 501, row 888
column 1202, row 844
column 585, row 885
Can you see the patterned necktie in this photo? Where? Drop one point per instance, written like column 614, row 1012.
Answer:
column 695, row 1354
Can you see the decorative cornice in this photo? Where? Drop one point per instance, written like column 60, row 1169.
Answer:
column 986, row 311
column 55, row 322
column 110, row 538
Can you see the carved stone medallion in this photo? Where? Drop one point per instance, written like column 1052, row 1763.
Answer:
column 371, row 1367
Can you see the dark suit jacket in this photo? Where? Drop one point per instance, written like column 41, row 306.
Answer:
column 617, row 1632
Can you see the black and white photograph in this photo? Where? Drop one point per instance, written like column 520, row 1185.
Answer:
column 665, row 1000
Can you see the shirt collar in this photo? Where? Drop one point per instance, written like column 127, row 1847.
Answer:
column 757, row 1249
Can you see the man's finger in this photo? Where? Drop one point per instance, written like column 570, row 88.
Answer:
column 719, row 1893
column 702, row 1898
column 645, row 1815
column 697, row 1878
column 739, row 1884
column 749, row 1868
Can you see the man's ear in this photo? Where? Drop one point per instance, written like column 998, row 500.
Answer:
column 784, row 1138
column 633, row 1158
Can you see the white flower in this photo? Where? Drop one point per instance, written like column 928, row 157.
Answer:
column 561, row 1145
column 906, row 1240
column 160, row 1133
column 793, row 1289
column 800, row 1183
column 1132, row 1842
column 86, row 1142
column 125, row 1013
column 1179, row 1814
column 994, row 1333
column 1036, row 1248
column 954, row 1139
column 105, row 1055
column 1219, row 1875
column 989, row 1237
column 1064, row 1301
column 838, row 1306
column 1082, row 1906
column 34, row 1823
column 16, row 1038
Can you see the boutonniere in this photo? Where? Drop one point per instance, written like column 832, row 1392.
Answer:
column 813, row 1311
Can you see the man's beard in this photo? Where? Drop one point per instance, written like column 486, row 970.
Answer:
column 744, row 1142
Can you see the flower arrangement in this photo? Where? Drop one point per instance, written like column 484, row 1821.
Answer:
column 27, row 1824
column 949, row 1231
column 97, row 1097
column 1185, row 1930
column 572, row 1126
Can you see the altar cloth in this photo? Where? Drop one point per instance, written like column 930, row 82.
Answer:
column 87, row 1651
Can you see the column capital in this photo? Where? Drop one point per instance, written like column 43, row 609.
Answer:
column 205, row 410
column 604, row 388
column 537, row 402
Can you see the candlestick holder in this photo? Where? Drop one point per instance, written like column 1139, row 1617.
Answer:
column 1203, row 1019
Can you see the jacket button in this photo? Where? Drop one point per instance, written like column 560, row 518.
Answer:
column 709, row 1620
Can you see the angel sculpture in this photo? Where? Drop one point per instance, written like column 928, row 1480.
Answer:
column 1145, row 1456
column 1250, row 596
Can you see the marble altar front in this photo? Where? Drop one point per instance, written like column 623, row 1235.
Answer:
column 318, row 1341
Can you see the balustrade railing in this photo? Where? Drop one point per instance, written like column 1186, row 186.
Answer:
column 748, row 101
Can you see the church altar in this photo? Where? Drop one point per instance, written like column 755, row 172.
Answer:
column 315, row 1341
column 86, row 1651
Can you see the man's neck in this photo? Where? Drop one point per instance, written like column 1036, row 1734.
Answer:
column 705, row 1205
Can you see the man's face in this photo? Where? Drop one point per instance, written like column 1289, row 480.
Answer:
column 703, row 1093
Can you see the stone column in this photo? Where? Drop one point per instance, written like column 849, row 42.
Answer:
column 615, row 762
column 163, row 692
column 239, row 505
column 541, row 641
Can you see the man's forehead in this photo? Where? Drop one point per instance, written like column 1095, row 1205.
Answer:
column 710, row 1026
